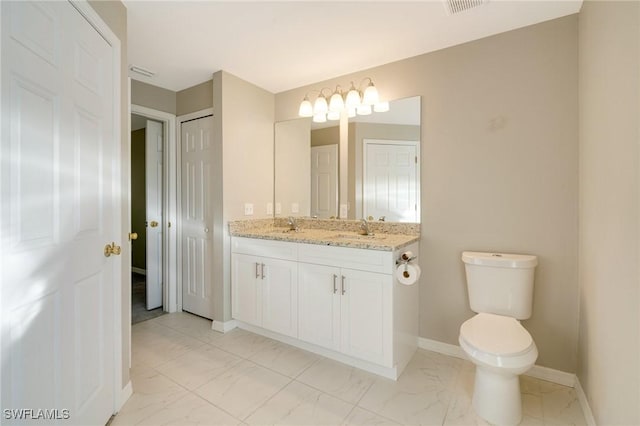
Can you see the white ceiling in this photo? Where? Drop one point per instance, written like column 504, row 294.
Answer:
column 284, row 45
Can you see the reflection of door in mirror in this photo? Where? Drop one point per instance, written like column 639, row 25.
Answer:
column 390, row 180
column 324, row 181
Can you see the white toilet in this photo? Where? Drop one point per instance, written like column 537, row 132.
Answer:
column 501, row 292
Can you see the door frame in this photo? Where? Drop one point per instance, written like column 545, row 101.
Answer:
column 170, row 224
column 365, row 144
column 178, row 200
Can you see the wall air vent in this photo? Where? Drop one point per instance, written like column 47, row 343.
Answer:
column 141, row 71
column 456, row 6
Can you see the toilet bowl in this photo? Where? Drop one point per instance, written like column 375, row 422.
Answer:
column 501, row 349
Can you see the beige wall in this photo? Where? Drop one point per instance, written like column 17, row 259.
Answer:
column 609, row 349
column 195, row 98
column 325, row 136
column 153, row 97
column 499, row 170
column 114, row 14
column 243, row 131
column 138, row 199
column 192, row 99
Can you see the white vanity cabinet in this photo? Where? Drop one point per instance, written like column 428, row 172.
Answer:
column 264, row 285
column 346, row 310
column 340, row 302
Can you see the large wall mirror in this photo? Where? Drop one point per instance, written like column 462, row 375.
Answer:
column 378, row 157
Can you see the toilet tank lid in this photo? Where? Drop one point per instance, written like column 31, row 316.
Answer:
column 500, row 260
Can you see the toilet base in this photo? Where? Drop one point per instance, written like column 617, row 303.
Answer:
column 496, row 397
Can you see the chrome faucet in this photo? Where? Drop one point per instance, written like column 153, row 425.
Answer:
column 293, row 224
column 364, row 228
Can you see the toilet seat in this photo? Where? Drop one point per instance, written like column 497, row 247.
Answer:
column 496, row 335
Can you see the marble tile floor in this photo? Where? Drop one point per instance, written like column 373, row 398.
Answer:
column 184, row 373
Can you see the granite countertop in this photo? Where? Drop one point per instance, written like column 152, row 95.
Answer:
column 331, row 237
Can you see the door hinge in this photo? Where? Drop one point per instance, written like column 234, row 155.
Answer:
column 416, row 159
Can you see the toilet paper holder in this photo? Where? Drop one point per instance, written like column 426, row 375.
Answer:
column 405, row 258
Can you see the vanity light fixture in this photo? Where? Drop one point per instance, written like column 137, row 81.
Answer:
column 355, row 101
column 306, row 109
column 336, row 104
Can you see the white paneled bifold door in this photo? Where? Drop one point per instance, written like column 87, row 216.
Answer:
column 60, row 207
column 197, row 216
column 154, row 222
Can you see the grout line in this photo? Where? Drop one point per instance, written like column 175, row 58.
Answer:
column 267, row 400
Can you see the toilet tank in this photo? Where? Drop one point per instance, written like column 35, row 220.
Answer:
column 500, row 283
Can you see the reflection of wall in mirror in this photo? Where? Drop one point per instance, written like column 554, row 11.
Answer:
column 293, row 175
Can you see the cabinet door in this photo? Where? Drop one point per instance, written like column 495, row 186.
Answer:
column 366, row 323
column 280, row 296
column 246, row 292
column 319, row 305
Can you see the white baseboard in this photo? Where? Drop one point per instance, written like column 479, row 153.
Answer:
column 125, row 394
column 223, row 326
column 537, row 371
column 441, row 348
column 551, row 375
column 139, row 270
column 584, row 403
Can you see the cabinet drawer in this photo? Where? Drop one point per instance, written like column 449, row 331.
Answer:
column 265, row 248
column 346, row 257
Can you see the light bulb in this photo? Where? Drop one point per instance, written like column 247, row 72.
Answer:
column 319, row 118
column 320, row 106
column 353, row 97
column 381, row 106
column 351, row 112
column 364, row 110
column 336, row 103
column 370, row 95
column 306, row 109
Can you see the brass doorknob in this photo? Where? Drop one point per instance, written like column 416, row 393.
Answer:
column 153, row 223
column 112, row 249
column 133, row 236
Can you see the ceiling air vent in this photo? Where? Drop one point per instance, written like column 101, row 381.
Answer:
column 456, row 6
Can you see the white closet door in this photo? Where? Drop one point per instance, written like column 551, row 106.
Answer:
column 153, row 178
column 197, row 216
column 60, row 206
column 391, row 181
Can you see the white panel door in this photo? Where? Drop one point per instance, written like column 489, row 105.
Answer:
column 153, row 180
column 319, row 305
column 324, row 181
column 279, row 282
column 60, row 206
column 391, row 181
column 197, row 216
column 365, row 313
